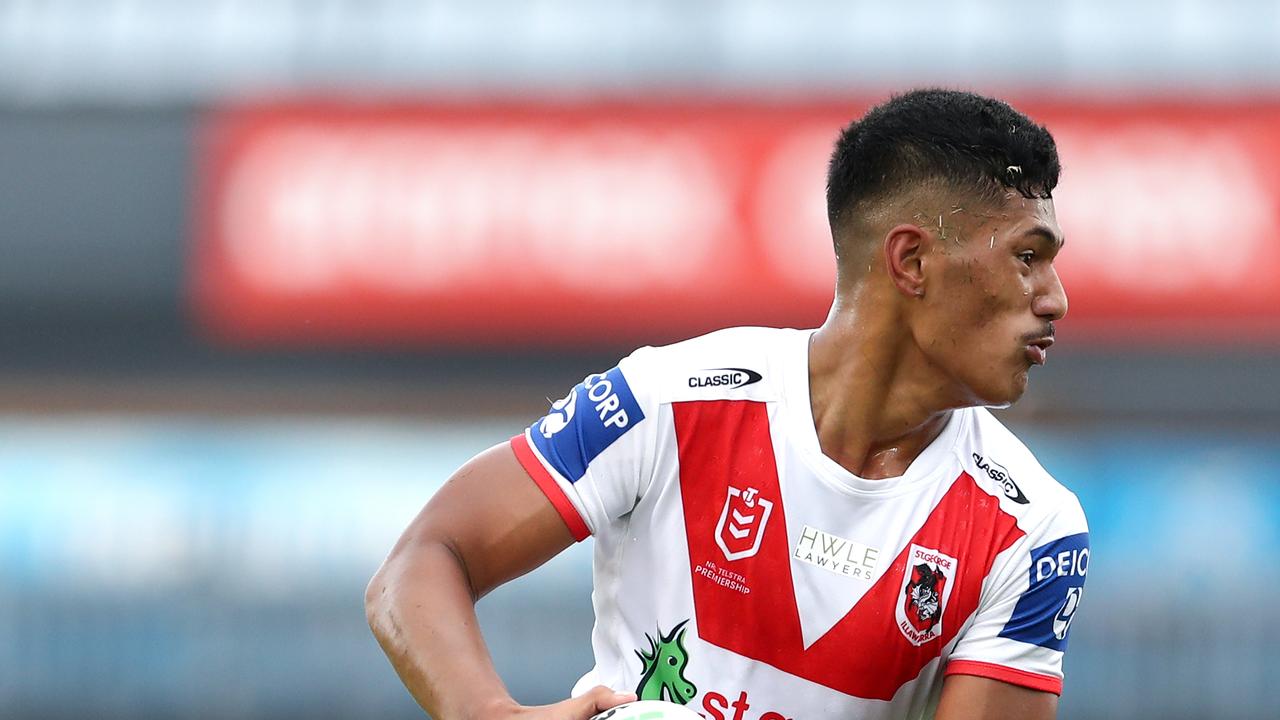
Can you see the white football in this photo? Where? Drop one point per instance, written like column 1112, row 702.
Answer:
column 648, row 710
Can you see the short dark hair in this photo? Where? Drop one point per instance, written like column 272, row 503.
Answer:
column 968, row 141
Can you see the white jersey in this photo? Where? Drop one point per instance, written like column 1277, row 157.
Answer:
column 741, row 571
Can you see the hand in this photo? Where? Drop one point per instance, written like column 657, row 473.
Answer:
column 585, row 706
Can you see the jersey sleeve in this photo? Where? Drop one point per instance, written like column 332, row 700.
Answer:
column 593, row 453
column 1020, row 631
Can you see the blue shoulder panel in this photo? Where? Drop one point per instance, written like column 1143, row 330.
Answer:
column 595, row 413
column 1044, row 612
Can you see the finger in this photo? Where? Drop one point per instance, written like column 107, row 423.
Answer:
column 600, row 698
column 619, row 698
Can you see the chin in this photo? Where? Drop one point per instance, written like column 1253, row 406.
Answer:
column 1005, row 394
column 1019, row 388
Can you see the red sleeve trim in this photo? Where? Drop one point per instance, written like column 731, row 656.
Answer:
column 1013, row 676
column 529, row 461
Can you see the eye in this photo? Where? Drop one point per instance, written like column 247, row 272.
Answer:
column 672, row 661
column 1027, row 256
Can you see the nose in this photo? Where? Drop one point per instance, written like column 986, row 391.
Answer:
column 1051, row 302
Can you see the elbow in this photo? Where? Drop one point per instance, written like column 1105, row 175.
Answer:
column 376, row 600
column 411, row 576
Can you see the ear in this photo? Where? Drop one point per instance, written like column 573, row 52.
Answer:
column 904, row 249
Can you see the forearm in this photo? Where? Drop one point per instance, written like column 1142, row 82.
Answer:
column 421, row 608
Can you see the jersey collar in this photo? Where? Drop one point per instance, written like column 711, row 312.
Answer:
column 933, row 462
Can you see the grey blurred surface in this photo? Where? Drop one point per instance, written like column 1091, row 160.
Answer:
column 153, row 51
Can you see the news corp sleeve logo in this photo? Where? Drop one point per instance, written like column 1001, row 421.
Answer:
column 582, row 424
column 1044, row 613
column 561, row 413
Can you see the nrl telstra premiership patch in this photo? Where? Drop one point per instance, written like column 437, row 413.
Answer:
column 582, row 424
column 1044, row 613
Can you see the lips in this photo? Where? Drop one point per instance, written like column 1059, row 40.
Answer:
column 1038, row 350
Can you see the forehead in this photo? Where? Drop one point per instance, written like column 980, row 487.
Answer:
column 1029, row 217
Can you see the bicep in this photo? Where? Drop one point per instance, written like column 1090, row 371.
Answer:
column 969, row 697
column 491, row 515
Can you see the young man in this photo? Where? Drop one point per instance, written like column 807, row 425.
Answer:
column 800, row 523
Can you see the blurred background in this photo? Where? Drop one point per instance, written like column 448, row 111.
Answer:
column 271, row 270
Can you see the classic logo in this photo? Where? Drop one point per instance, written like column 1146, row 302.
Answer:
column 560, row 415
column 926, row 587
column 662, row 668
column 742, row 523
column 725, row 377
column 1000, row 474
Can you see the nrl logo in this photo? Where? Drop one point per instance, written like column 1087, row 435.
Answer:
column 742, row 522
column 926, row 586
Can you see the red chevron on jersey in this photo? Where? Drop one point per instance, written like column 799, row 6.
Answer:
column 724, row 446
column 748, row 605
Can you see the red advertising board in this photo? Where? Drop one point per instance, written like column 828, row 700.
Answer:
column 554, row 224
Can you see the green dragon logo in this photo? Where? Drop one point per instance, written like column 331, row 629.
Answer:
column 662, row 675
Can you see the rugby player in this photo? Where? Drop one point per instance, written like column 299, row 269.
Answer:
column 793, row 524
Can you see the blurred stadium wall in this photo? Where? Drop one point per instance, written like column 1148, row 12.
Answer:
column 273, row 269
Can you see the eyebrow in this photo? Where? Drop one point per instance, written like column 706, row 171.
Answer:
column 1046, row 234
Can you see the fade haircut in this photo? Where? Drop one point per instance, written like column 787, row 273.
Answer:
column 973, row 144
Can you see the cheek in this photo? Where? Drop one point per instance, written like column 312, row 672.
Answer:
column 975, row 298
column 989, row 310
column 999, row 299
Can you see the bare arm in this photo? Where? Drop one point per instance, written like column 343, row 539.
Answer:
column 487, row 525
column 968, row 697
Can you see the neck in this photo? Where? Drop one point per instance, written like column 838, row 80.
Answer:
column 876, row 402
